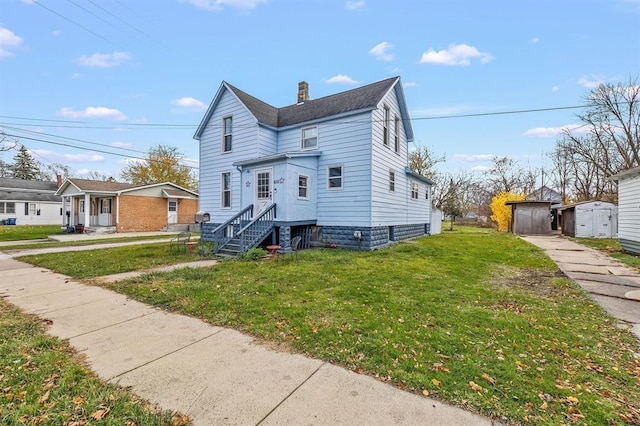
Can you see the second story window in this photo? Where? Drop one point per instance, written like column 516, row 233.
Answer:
column 334, row 177
column 227, row 134
column 225, row 193
column 309, row 138
column 385, row 127
column 396, row 134
column 392, row 181
column 414, row 191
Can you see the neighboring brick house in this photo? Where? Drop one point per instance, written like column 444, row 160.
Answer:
column 123, row 207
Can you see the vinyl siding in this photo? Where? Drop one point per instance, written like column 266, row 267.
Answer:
column 345, row 142
column 629, row 212
column 393, row 208
column 213, row 162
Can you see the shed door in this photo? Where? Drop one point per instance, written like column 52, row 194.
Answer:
column 264, row 190
column 602, row 223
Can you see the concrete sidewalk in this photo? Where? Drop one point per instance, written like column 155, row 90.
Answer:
column 612, row 284
column 212, row 374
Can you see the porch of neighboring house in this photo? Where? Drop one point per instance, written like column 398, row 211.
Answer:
column 87, row 213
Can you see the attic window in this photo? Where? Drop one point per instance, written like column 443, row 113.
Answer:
column 396, row 133
column 227, row 134
column 385, row 127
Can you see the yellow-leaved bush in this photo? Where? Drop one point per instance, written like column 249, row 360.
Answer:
column 501, row 212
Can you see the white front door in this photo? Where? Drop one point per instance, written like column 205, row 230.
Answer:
column 264, row 190
column 172, row 215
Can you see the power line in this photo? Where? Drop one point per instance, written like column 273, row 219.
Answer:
column 88, row 149
column 75, row 23
column 487, row 114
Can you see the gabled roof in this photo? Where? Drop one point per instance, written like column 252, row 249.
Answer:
column 359, row 99
column 88, row 185
column 625, row 173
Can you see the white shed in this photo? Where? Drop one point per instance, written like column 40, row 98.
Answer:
column 590, row 219
column 629, row 209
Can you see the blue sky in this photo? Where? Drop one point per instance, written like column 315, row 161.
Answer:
column 122, row 76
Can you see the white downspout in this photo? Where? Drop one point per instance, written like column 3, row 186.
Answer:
column 87, row 210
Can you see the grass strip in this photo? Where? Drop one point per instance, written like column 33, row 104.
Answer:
column 42, row 381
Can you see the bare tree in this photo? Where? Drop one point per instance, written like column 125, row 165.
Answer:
column 507, row 175
column 423, row 161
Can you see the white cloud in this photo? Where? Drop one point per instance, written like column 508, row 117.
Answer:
column 8, row 40
column 57, row 33
column 121, row 145
column 217, row 5
column 555, row 88
column 342, row 79
column 355, row 4
column 455, row 54
column 191, row 103
column 591, row 81
column 104, row 60
column 472, row 158
column 552, row 132
column 480, row 169
column 76, row 75
column 382, row 51
column 534, row 40
column 410, row 84
column 68, row 158
column 93, row 112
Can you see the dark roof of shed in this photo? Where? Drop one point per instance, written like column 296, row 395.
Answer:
column 352, row 100
column 28, row 184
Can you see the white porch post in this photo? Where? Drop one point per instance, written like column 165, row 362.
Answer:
column 72, row 210
column 87, row 210
column 64, row 211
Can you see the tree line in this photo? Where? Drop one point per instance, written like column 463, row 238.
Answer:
column 606, row 141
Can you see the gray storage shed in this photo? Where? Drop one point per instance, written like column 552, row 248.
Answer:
column 530, row 217
column 590, row 219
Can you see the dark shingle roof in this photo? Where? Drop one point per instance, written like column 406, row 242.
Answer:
column 28, row 184
column 352, row 100
column 31, row 196
column 98, row 185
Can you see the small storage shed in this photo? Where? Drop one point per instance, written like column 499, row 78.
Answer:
column 590, row 219
column 629, row 209
column 436, row 221
column 530, row 217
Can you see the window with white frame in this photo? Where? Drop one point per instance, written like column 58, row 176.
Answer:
column 396, row 134
column 309, row 138
column 31, row 209
column 334, row 177
column 414, row 191
column 303, row 187
column 173, row 206
column 105, row 205
column 385, row 126
column 81, row 207
column 227, row 126
column 225, row 194
column 392, row 181
column 426, row 192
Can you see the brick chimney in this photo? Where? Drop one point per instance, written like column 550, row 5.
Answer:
column 303, row 92
column 59, row 180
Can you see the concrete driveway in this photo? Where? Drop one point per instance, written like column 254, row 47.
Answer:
column 613, row 285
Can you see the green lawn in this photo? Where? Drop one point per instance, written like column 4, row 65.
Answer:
column 92, row 263
column 27, row 232
column 92, row 242
column 42, row 381
column 611, row 247
column 472, row 317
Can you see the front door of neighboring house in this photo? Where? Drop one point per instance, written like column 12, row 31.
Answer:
column 173, row 211
column 105, row 208
column 264, row 190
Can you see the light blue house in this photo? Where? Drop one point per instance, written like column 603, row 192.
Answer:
column 332, row 170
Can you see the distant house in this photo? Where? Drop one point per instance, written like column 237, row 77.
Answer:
column 123, row 207
column 530, row 217
column 590, row 219
column 333, row 168
column 29, row 202
column 544, row 193
column 629, row 209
